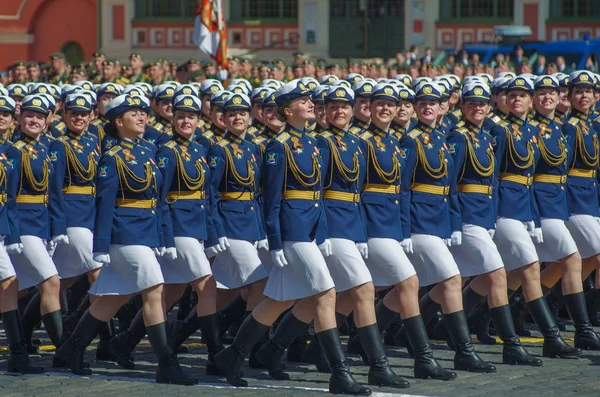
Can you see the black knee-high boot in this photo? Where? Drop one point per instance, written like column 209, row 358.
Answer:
column 475, row 307
column 426, row 366
column 554, row 345
column 314, row 355
column 128, row 311
column 512, row 350
column 209, row 327
column 53, row 323
column 231, row 312
column 518, row 309
column 78, row 292
column 185, row 304
column 384, row 317
column 271, row 352
column 18, row 361
column 71, row 321
column 121, row 346
column 31, row 318
column 465, row 357
column 185, row 330
column 230, row 360
column 429, row 310
column 252, row 361
column 168, row 370
column 72, row 350
column 380, row 373
column 341, row 380
column 105, row 335
column 585, row 337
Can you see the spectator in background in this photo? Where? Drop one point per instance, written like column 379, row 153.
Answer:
column 475, row 60
column 428, row 58
column 590, row 65
column 551, row 68
column 519, row 58
column 450, row 60
column 400, row 60
column 414, row 52
column 562, row 65
column 464, row 58
column 540, row 65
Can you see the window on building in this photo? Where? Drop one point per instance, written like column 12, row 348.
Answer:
column 165, row 8
column 579, row 8
column 244, row 9
column 377, row 8
column 456, row 9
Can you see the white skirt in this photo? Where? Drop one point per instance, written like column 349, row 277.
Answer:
column 6, row 268
column 34, row 264
column 191, row 263
column 387, row 262
column 238, row 266
column 477, row 254
column 265, row 258
column 132, row 268
column 586, row 233
column 558, row 242
column 432, row 259
column 346, row 265
column 75, row 258
column 306, row 273
column 514, row 244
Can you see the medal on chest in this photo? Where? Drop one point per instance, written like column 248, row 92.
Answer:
column 545, row 132
column 427, row 141
column 516, row 133
column 379, row 144
column 77, row 147
column 474, row 140
column 32, row 152
column 129, row 157
column 237, row 152
column 297, row 146
column 185, row 155
column 341, row 144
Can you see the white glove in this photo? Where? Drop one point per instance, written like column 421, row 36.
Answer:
column 363, row 248
column 213, row 251
column 537, row 236
column 60, row 239
column 262, row 245
column 14, row 249
column 530, row 227
column 170, row 253
column 102, row 257
column 492, row 233
column 158, row 251
column 278, row 258
column 224, row 243
column 325, row 248
column 448, row 242
column 596, row 218
column 407, row 245
column 456, row 239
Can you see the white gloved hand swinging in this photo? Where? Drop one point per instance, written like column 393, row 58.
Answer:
column 279, row 258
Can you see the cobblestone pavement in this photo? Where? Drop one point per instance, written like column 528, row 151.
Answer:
column 556, row 378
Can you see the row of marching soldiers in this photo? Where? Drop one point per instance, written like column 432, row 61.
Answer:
column 295, row 203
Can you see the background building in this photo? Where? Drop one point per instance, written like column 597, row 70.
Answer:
column 266, row 29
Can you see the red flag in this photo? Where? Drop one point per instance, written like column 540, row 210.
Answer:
column 210, row 34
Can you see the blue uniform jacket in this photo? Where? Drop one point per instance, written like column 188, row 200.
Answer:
column 515, row 146
column 387, row 214
column 428, row 162
column 582, row 140
column 399, row 131
column 8, row 204
column 474, row 162
column 128, row 171
column 33, row 218
column 343, row 170
column 293, row 163
column 185, row 170
column 74, row 158
column 235, row 170
column 554, row 156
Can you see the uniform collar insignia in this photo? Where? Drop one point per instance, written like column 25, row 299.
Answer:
column 424, row 127
column 126, row 144
column 337, row 131
column 294, row 132
column 515, row 120
column 180, row 140
column 377, row 131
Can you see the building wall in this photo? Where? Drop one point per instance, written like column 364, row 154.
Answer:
column 33, row 29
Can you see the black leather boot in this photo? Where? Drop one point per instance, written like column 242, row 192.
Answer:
column 185, row 306
column 187, row 328
column 230, row 360
column 209, row 326
column 475, row 307
column 512, row 350
column 252, row 361
column 122, row 345
column 466, row 358
column 296, row 349
column 231, row 312
column 426, row 366
column 71, row 321
column 429, row 311
column 31, row 318
column 314, row 355
column 519, row 312
column 103, row 347
column 585, row 337
column 380, row 373
column 53, row 323
column 72, row 350
column 18, row 361
column 554, row 345
column 168, row 370
column 391, row 331
column 591, row 299
column 271, row 352
column 128, row 311
column 341, row 380
column 385, row 317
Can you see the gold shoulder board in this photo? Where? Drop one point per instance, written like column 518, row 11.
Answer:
column 366, row 135
column 223, row 142
column 415, row 133
column 574, row 121
column 283, row 137
column 326, row 134
column 114, row 150
column 171, row 144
